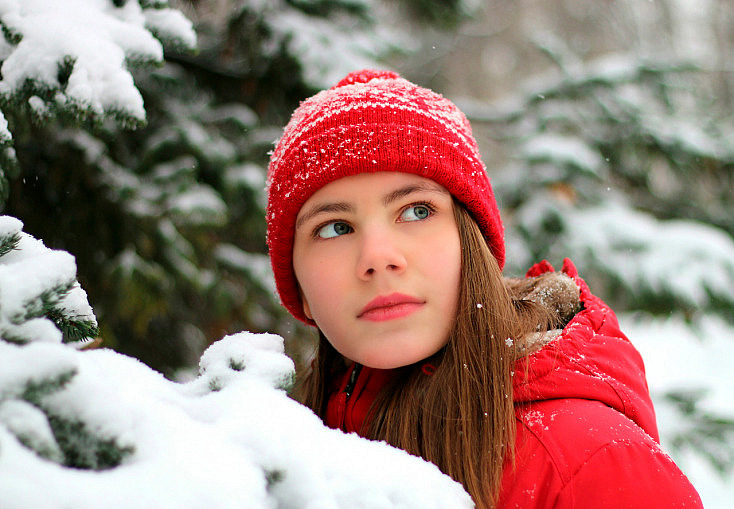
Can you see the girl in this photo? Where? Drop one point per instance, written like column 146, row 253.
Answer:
column 384, row 233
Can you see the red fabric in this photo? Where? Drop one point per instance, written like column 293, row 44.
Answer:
column 350, row 414
column 372, row 121
column 586, row 430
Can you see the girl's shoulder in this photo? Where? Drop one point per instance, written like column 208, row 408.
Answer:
column 582, row 453
column 586, row 430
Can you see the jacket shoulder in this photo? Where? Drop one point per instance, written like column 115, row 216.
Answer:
column 582, row 453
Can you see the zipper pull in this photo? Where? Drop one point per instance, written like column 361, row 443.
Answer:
column 342, row 398
column 352, row 379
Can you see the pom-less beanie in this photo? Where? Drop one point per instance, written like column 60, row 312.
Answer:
column 372, row 121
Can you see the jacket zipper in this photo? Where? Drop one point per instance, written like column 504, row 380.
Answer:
column 343, row 397
column 352, row 380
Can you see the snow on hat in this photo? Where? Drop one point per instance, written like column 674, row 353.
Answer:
column 372, row 121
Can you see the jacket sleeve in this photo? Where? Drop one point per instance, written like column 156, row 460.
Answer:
column 629, row 474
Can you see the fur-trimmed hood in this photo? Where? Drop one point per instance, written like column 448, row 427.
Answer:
column 590, row 358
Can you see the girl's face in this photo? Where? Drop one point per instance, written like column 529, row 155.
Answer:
column 378, row 260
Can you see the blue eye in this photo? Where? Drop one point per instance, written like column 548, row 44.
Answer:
column 415, row 213
column 331, row 230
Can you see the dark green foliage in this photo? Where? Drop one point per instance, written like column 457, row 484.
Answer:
column 35, row 391
column 73, row 328
column 9, row 242
column 273, row 477
column 445, row 13
column 83, row 449
column 329, row 7
column 10, row 35
column 166, row 280
column 215, row 385
column 236, row 365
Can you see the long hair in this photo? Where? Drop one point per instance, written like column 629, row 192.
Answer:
column 461, row 418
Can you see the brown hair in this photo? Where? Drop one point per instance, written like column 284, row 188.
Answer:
column 461, row 417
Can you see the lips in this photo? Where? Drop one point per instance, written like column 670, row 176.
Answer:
column 390, row 307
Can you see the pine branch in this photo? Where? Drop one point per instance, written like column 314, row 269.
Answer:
column 9, row 242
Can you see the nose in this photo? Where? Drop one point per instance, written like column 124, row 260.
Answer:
column 380, row 252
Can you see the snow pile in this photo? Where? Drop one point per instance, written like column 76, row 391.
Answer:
column 86, row 47
column 229, row 438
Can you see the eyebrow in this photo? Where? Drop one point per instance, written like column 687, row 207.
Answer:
column 389, row 198
column 430, row 186
column 324, row 208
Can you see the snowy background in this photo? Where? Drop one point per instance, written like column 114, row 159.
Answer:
column 133, row 141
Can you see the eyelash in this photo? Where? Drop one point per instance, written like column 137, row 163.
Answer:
column 430, row 206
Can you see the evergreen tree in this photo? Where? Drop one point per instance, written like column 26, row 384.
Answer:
column 42, row 305
column 66, row 83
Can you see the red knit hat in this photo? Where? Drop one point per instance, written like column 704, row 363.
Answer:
column 372, row 121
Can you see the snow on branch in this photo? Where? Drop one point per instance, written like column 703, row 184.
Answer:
column 72, row 56
column 682, row 262
column 40, row 299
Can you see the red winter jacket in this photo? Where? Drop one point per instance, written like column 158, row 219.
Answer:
column 586, row 431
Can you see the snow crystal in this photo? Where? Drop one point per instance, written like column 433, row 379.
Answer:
column 32, row 363
column 23, row 282
column 39, row 106
column 29, row 423
column 701, row 357
column 249, row 175
column 33, row 277
column 35, row 329
column 75, row 304
column 328, row 51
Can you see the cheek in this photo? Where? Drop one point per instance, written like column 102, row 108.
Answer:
column 320, row 283
column 445, row 260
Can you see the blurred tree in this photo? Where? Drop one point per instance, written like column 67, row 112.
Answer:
column 623, row 164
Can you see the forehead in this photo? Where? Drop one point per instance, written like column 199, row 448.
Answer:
column 378, row 183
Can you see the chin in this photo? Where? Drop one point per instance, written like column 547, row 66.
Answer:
column 382, row 361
